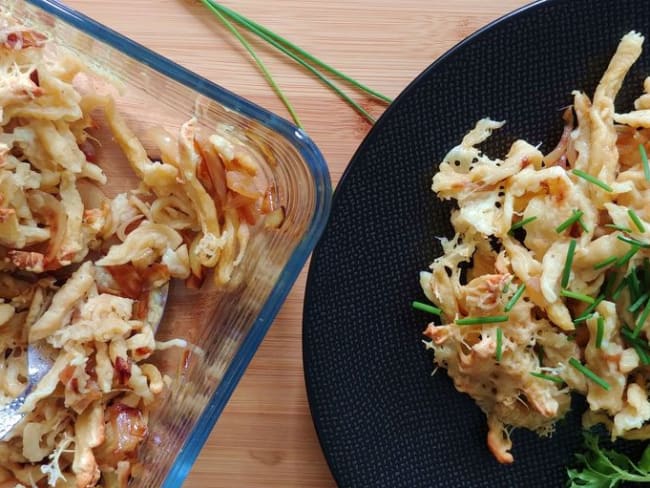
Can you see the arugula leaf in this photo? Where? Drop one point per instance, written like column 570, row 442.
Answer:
column 606, row 468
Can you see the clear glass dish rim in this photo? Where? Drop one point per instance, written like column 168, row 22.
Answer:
column 323, row 196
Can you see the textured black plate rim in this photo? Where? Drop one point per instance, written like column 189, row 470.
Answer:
column 374, row 133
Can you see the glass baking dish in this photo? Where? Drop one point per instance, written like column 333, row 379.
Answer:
column 227, row 324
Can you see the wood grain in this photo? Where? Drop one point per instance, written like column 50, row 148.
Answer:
column 265, row 437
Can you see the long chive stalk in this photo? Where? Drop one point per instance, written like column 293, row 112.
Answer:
column 269, row 34
column 260, row 64
column 288, row 48
column 515, row 298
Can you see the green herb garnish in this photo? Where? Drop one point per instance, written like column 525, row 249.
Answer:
column 566, row 273
column 425, row 307
column 554, row 379
column 633, row 242
column 300, row 56
column 490, row 319
column 589, row 373
column 619, row 289
column 633, row 284
column 641, row 320
column 575, row 216
column 637, row 221
column 600, row 331
column 499, row 351
column 588, row 312
column 638, row 303
column 609, row 284
column 628, row 255
column 593, row 180
column 515, row 298
column 520, row 224
column 644, row 162
column 258, row 61
column 577, row 296
column 605, row 262
column 642, row 353
column 583, row 317
column 622, row 228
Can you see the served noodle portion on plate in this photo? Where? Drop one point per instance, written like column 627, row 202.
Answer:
column 545, row 288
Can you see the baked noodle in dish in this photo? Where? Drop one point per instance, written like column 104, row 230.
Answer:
column 84, row 275
column 544, row 289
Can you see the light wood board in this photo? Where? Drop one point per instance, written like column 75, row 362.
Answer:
column 265, row 436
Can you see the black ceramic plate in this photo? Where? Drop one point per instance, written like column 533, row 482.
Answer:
column 382, row 419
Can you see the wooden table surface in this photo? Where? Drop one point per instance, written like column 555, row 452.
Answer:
column 265, row 436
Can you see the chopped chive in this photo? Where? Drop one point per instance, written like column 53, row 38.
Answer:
column 641, row 321
column 600, row 331
column 566, row 273
column 629, row 335
column 303, row 58
column 491, row 319
column 424, row 307
column 644, row 162
column 634, row 285
column 575, row 216
column 583, row 317
column 641, row 347
column 619, row 289
column 499, row 344
column 506, row 287
column 554, row 379
column 582, row 225
column 515, row 298
column 611, row 281
column 637, row 304
column 605, row 262
column 520, row 224
column 627, row 256
column 637, row 221
column 589, row 373
column 643, row 355
column 633, row 242
column 646, row 272
column 588, row 312
column 593, row 180
column 577, row 296
column 622, row 228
